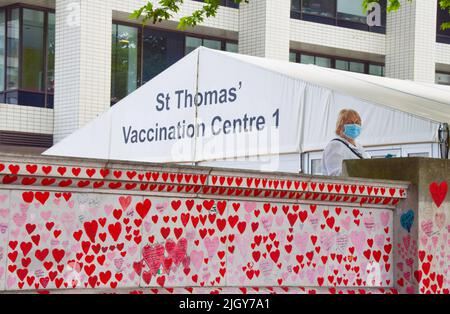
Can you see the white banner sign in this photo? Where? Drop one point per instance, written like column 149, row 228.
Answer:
column 205, row 107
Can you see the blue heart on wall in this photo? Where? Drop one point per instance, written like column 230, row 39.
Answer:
column 407, row 220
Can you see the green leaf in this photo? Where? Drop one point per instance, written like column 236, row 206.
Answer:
column 167, row 8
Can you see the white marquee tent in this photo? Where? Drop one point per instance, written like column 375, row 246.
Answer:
column 215, row 105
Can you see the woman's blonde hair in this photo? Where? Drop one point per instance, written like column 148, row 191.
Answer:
column 346, row 116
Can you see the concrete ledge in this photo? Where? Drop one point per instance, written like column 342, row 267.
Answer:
column 422, row 222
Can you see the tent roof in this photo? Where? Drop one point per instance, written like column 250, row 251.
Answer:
column 401, row 111
column 429, row 101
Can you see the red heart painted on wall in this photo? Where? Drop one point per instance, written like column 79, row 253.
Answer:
column 91, row 229
column 115, row 230
column 438, row 192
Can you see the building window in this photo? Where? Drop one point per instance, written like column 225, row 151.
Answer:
column 351, row 10
column 229, row 4
column 359, row 66
column 307, row 59
column 351, row 66
column 124, row 67
column 27, row 56
column 50, row 79
column 323, row 62
column 292, row 57
column 13, row 50
column 2, row 53
column 139, row 55
column 225, row 3
column 443, row 78
column 33, row 50
column 231, row 47
column 193, row 43
column 160, row 50
column 325, row 8
column 320, row 61
column 375, row 69
column 344, row 13
column 443, row 36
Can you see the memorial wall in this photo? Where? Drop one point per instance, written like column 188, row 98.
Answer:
column 128, row 227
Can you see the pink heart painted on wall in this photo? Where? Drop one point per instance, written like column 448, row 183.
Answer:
column 320, row 271
column 379, row 240
column 212, row 245
column 161, row 207
column 125, row 202
column 440, row 218
column 385, row 217
column 250, row 207
column 197, row 259
column 93, row 211
column 407, row 241
column 108, row 209
column 118, row 263
column 279, row 220
column 282, row 236
column 148, row 226
column 45, row 237
column 46, row 215
column 19, row 219
column 11, row 282
column 190, row 235
column 311, row 276
column 423, row 240
column 111, row 255
column 427, row 227
column 358, row 239
column 327, row 240
column 314, row 220
column 133, row 250
column 243, row 243
column 4, row 212
column 301, row 242
column 346, row 223
column 267, row 222
column 409, row 262
column 434, row 240
column 171, row 279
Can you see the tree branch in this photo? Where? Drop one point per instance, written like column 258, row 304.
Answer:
column 167, row 8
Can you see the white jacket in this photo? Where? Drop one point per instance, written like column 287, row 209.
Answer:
column 336, row 152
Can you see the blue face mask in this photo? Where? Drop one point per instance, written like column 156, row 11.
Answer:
column 352, row 131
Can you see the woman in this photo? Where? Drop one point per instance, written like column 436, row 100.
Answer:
column 343, row 147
